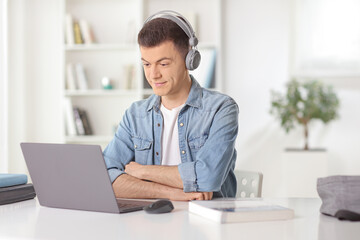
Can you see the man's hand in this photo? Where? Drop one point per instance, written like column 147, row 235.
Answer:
column 134, row 169
column 183, row 196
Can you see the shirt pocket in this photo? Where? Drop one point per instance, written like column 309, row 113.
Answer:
column 143, row 149
column 196, row 144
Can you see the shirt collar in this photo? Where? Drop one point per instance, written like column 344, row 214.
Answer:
column 195, row 95
column 193, row 100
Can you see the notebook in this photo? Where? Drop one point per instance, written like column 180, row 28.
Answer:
column 74, row 176
column 11, row 179
column 240, row 210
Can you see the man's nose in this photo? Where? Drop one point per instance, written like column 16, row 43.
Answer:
column 154, row 72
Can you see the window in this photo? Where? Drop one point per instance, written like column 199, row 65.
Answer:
column 327, row 38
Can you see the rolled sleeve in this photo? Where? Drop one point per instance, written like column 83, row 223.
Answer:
column 114, row 173
column 119, row 151
column 188, row 176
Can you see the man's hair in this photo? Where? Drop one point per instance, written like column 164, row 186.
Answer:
column 160, row 30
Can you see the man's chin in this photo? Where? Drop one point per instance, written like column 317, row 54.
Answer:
column 158, row 92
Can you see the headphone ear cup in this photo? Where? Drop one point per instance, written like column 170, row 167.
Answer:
column 193, row 59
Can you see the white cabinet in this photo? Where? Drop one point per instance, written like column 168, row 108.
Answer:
column 115, row 55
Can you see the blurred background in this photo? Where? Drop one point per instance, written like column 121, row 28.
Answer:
column 57, row 55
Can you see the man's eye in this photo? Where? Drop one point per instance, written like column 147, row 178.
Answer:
column 146, row 64
column 164, row 64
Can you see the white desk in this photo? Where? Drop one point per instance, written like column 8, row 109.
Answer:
column 28, row 220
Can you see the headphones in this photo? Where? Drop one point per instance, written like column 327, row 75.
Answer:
column 193, row 57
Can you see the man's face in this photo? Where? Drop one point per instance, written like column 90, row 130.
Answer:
column 165, row 70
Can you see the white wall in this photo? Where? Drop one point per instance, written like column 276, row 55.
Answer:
column 256, row 59
column 3, row 87
column 34, row 75
column 257, row 44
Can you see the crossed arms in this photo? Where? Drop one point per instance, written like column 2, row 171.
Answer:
column 153, row 181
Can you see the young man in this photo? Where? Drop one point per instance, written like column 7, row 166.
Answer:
column 178, row 143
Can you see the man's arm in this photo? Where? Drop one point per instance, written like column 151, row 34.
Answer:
column 216, row 154
column 166, row 175
column 126, row 186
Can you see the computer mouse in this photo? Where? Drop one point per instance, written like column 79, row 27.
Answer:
column 160, row 206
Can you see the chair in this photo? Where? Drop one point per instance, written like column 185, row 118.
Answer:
column 249, row 184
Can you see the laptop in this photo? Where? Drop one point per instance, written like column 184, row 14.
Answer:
column 74, row 176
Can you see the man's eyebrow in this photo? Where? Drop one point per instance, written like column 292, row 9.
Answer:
column 161, row 59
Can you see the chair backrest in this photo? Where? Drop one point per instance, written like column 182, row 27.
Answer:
column 249, row 184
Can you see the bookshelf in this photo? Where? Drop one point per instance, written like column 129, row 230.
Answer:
column 114, row 54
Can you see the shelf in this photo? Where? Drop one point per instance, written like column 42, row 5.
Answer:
column 100, row 93
column 101, row 47
column 116, row 55
column 88, row 139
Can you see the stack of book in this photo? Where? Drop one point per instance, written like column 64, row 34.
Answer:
column 77, row 121
column 14, row 188
column 76, row 78
column 78, row 32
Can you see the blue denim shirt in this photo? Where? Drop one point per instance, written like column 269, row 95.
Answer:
column 208, row 127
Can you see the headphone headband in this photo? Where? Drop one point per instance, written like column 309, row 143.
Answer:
column 180, row 20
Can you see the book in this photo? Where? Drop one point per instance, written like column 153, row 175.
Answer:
column 8, row 179
column 69, row 117
column 70, row 77
column 78, row 122
column 236, row 210
column 86, row 32
column 130, row 77
column 82, row 81
column 85, row 122
column 16, row 193
column 69, row 29
column 77, row 34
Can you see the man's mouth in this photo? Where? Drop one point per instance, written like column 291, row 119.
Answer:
column 159, row 84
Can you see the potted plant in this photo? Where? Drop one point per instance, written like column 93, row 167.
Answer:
column 303, row 102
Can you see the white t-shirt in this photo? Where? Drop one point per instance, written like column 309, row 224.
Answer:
column 170, row 150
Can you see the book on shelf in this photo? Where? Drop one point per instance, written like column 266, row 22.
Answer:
column 81, row 78
column 14, row 188
column 86, row 32
column 70, row 77
column 86, row 123
column 131, row 34
column 82, row 122
column 69, row 29
column 130, row 77
column 238, row 210
column 69, row 117
column 77, row 34
column 78, row 122
column 192, row 18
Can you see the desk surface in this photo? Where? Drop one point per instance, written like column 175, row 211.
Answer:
column 28, row 220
